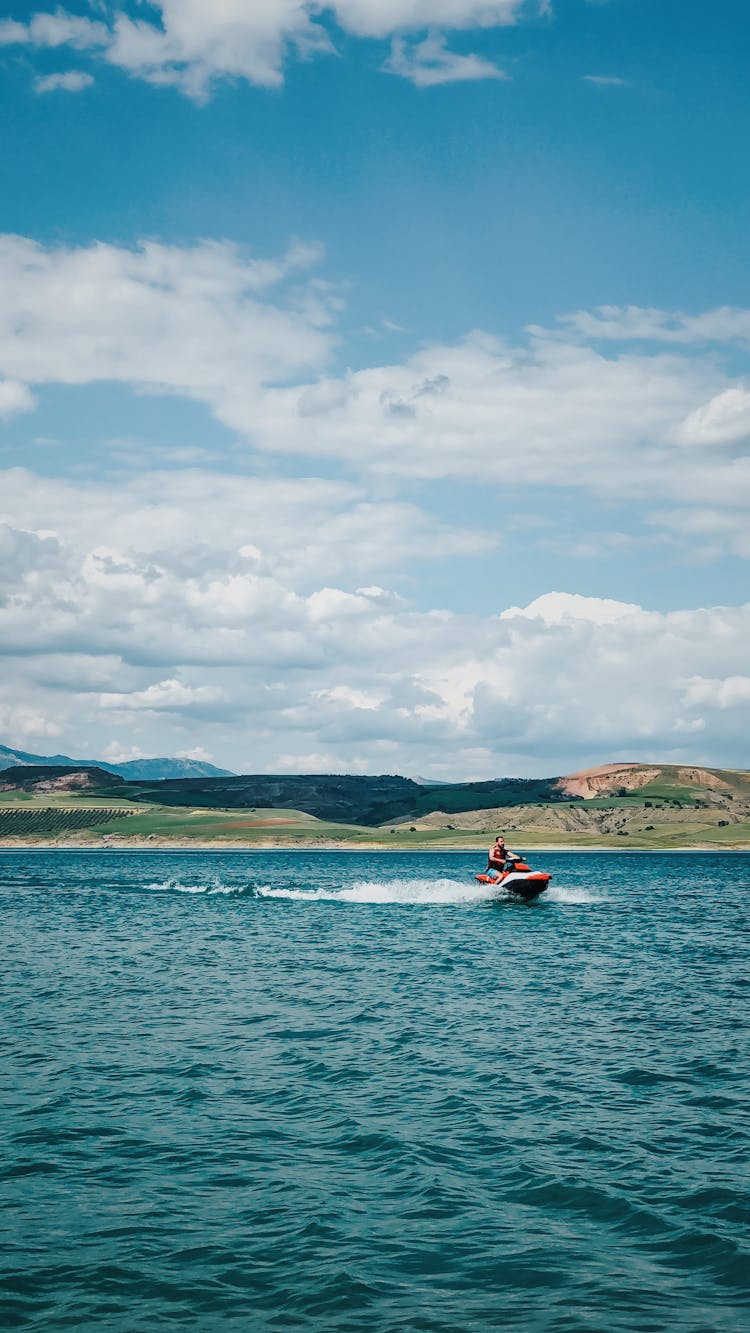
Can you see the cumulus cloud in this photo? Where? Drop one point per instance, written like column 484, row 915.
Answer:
column 164, row 695
column 555, row 608
column 725, row 324
column 115, row 753
column 206, row 321
column 265, row 662
column 53, row 30
column 430, row 62
column 189, row 43
column 196, row 752
column 250, row 338
column 15, row 398
column 23, row 723
column 725, row 419
column 724, row 693
column 24, row 554
column 71, row 81
column 552, row 413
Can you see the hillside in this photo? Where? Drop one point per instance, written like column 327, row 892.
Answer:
column 391, row 799
column 58, row 778
column 618, row 800
column 650, row 805
column 335, row 797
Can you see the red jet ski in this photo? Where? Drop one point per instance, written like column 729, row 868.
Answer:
column 518, row 879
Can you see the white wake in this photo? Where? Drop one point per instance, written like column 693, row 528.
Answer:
column 177, row 886
column 404, row 891
column 573, row 895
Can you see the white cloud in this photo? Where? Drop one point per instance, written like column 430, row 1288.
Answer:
column 23, row 723
column 15, row 398
column 430, row 62
column 239, row 333
column 143, row 610
column 554, row 413
column 115, row 753
column 722, row 693
column 605, row 80
column 209, row 323
column 53, row 30
column 72, row 81
column 201, row 321
column 198, row 753
column 379, row 18
column 726, row 324
column 557, row 608
column 164, row 695
column 193, row 43
column 725, row 419
column 708, row 534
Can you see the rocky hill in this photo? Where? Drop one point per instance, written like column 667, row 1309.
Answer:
column 618, row 799
column 40, row 778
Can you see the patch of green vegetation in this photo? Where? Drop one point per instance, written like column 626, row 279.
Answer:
column 53, row 821
column 64, row 799
column 338, row 798
column 459, row 798
column 670, row 791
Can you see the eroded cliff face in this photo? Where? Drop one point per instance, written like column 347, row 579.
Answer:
column 562, row 819
column 607, row 778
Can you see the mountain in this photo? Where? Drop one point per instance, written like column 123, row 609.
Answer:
column 147, row 770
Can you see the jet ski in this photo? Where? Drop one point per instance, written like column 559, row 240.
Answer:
column 519, row 880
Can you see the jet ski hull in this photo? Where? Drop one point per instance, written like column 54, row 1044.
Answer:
column 527, row 885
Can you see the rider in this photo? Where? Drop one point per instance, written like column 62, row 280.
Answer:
column 497, row 855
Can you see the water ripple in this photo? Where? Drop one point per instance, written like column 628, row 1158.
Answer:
column 345, row 1092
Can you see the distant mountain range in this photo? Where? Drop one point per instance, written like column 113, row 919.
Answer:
column 134, row 770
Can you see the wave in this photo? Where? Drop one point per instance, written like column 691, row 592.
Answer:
column 446, row 892
column 403, row 892
column 215, row 886
column 573, row 895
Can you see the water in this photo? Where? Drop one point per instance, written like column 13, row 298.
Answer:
column 348, row 1092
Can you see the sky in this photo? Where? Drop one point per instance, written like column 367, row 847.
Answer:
column 374, row 385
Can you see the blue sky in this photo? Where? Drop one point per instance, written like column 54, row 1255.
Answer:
column 441, row 309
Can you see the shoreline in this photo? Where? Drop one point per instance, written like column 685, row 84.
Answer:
column 196, row 845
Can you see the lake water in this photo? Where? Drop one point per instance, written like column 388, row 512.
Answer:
column 346, row 1091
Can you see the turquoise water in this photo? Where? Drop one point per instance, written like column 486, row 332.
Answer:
column 348, row 1092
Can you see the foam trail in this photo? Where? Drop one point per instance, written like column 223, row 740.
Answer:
column 572, row 895
column 176, row 886
column 405, row 891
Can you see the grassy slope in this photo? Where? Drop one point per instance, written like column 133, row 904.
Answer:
column 682, row 814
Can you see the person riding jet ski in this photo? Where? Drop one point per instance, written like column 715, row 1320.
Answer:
column 510, row 871
column 499, row 858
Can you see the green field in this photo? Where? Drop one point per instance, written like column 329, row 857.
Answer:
column 54, row 820
column 79, row 821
